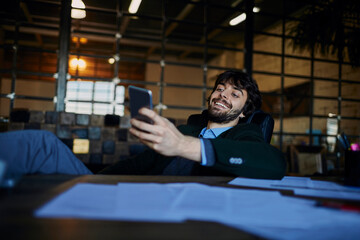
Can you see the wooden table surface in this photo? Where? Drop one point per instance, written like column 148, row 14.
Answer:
column 18, row 204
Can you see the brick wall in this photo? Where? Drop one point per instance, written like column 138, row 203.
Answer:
column 106, row 138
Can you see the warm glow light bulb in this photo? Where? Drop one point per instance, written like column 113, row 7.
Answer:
column 74, row 39
column 77, row 63
column 111, row 60
column 74, row 63
column 83, row 40
column 81, row 64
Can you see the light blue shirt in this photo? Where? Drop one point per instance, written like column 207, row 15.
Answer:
column 207, row 152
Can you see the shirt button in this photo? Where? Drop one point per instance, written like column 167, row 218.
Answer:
column 236, row 160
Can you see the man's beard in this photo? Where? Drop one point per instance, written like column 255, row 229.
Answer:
column 223, row 117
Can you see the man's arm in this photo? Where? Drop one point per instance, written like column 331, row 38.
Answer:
column 241, row 151
column 165, row 138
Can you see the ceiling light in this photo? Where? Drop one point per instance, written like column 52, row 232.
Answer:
column 256, row 9
column 78, row 13
column 134, row 6
column 242, row 17
column 238, row 19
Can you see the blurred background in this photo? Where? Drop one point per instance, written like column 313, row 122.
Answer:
column 65, row 63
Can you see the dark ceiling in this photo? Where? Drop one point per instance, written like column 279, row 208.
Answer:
column 141, row 36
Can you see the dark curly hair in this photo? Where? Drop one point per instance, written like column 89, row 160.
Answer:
column 242, row 81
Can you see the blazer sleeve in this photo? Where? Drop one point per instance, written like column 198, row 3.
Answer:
column 243, row 152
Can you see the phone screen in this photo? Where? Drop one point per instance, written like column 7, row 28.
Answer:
column 140, row 97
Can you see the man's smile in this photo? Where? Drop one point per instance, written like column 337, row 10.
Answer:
column 221, row 104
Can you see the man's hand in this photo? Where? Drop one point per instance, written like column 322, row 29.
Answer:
column 164, row 138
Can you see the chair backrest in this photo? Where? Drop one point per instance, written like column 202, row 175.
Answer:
column 264, row 120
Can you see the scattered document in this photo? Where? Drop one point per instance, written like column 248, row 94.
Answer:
column 305, row 182
column 328, row 194
column 261, row 212
column 303, row 186
column 258, row 183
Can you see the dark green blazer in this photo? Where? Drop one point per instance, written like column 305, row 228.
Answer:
column 239, row 151
column 242, row 151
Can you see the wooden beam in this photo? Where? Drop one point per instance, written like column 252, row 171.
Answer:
column 30, row 20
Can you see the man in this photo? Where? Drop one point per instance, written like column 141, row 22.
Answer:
column 223, row 147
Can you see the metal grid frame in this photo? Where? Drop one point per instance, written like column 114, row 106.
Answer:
column 63, row 55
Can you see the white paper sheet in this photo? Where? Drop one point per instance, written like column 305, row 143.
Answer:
column 84, row 200
column 147, row 201
column 201, row 202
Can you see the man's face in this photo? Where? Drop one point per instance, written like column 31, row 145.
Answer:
column 226, row 103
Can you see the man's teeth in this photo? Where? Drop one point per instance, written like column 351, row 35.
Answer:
column 222, row 105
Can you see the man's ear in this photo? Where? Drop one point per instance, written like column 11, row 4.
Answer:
column 242, row 115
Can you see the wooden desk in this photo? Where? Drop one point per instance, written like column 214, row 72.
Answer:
column 18, row 204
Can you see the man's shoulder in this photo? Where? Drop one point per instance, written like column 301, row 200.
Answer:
column 245, row 129
column 189, row 129
column 247, row 126
column 239, row 129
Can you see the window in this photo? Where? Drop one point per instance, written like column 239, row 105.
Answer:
column 88, row 97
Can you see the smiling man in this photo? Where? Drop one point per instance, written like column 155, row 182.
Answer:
column 223, row 147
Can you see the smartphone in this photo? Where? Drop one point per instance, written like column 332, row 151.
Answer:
column 139, row 98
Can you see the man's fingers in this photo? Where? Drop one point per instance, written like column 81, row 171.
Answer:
column 141, row 124
column 150, row 128
column 152, row 115
column 144, row 136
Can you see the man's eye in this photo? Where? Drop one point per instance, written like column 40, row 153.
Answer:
column 235, row 95
column 219, row 89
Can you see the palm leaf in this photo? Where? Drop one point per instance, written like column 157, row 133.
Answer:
column 330, row 27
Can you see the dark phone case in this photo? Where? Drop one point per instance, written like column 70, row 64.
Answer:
column 140, row 97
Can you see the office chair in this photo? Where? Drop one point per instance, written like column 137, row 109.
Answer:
column 264, row 120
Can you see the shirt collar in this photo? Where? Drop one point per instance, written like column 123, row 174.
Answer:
column 212, row 132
